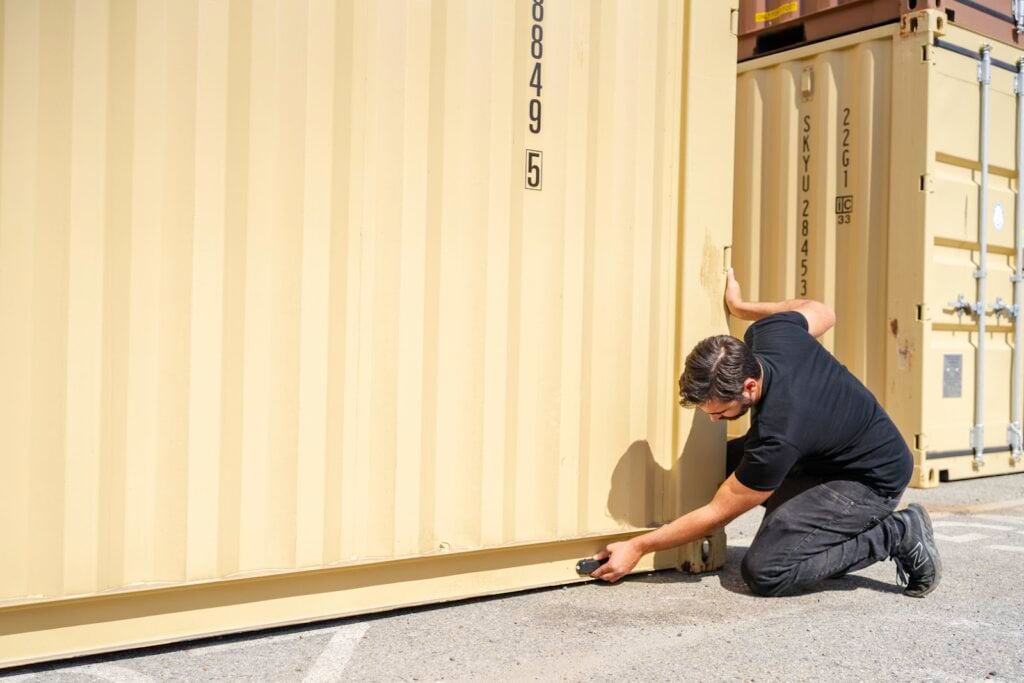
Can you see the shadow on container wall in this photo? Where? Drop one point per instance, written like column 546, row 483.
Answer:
column 638, row 477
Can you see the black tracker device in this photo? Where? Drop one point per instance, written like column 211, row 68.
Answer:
column 588, row 565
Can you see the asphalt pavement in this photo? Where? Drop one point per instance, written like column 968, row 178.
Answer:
column 663, row 625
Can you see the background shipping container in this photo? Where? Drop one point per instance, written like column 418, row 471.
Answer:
column 860, row 182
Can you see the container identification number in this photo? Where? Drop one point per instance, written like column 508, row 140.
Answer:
column 844, row 202
column 535, row 158
column 805, row 202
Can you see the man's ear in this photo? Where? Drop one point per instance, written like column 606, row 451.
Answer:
column 749, row 384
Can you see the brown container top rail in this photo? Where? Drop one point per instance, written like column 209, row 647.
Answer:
column 771, row 26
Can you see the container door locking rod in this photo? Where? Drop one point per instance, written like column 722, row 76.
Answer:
column 977, row 439
column 1013, row 430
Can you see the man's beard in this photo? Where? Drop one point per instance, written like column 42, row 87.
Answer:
column 745, row 404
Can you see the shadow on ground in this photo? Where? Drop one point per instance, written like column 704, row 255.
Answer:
column 730, row 579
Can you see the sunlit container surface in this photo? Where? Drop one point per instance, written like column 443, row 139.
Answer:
column 301, row 318
column 857, row 183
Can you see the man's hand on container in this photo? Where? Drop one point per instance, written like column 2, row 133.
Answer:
column 622, row 557
column 733, row 295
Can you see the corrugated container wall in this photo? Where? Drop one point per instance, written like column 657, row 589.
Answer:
column 318, row 308
column 859, row 177
column 809, row 131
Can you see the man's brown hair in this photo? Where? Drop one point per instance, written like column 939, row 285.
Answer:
column 716, row 370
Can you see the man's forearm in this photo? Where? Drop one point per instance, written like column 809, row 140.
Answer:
column 689, row 527
column 755, row 310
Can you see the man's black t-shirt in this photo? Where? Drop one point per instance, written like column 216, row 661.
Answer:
column 813, row 411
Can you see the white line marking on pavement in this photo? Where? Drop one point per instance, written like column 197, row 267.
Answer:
column 992, row 507
column 962, row 538
column 1010, row 548
column 333, row 660
column 972, row 525
column 1000, row 518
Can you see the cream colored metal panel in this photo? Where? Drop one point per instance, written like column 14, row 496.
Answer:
column 86, row 218
column 823, row 140
column 278, row 298
column 207, row 327
column 705, row 207
column 912, row 111
column 49, row 324
column 953, row 209
column 18, row 207
column 116, row 296
column 863, row 135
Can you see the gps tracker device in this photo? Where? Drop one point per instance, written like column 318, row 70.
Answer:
column 588, row 565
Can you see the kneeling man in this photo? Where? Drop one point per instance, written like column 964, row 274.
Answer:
column 821, row 455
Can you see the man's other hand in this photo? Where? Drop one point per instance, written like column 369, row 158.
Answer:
column 622, row 557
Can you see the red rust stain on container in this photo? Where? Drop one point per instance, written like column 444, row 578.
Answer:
column 906, row 353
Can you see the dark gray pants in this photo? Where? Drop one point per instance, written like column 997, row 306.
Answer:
column 814, row 529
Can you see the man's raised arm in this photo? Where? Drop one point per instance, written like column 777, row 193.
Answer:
column 820, row 318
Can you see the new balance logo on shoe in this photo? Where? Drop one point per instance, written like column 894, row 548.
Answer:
column 918, row 565
column 917, row 556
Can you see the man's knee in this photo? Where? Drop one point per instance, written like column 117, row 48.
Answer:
column 761, row 578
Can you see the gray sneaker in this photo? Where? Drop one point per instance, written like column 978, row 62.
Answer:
column 918, row 565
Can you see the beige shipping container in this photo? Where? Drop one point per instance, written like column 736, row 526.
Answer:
column 318, row 308
column 858, row 182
